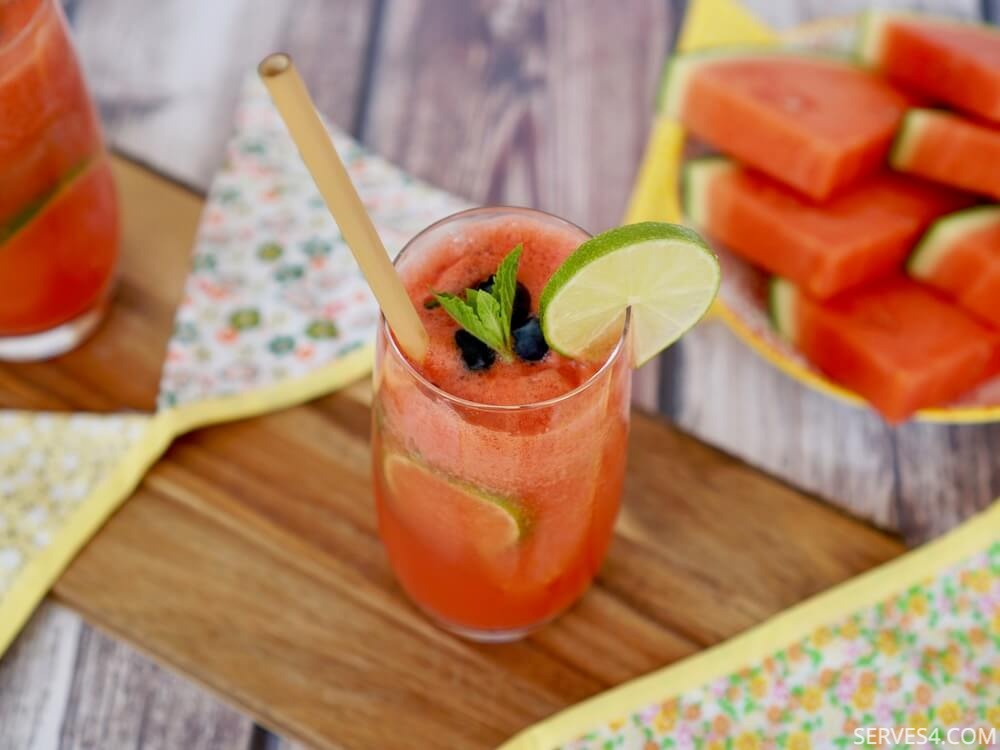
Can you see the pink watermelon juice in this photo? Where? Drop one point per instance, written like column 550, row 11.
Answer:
column 497, row 482
column 58, row 207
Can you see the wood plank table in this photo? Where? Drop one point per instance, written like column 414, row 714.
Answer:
column 248, row 559
column 544, row 103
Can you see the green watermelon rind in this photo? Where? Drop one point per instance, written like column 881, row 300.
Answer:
column 871, row 34
column 678, row 69
column 781, row 296
column 696, row 177
column 938, row 240
column 870, row 38
column 511, row 508
column 914, row 120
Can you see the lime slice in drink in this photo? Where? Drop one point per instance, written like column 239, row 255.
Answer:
column 450, row 513
column 666, row 273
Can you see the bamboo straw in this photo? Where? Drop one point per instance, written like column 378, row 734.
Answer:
column 299, row 113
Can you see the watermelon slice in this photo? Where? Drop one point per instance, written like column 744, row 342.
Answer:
column 960, row 255
column 949, row 149
column 953, row 61
column 894, row 342
column 815, row 123
column 861, row 235
column 452, row 514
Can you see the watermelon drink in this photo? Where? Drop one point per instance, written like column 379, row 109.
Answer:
column 497, row 484
column 58, row 208
column 500, row 415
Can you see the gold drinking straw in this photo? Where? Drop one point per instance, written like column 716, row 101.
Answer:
column 299, row 113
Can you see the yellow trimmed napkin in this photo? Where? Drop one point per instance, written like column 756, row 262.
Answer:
column 60, row 474
column 903, row 656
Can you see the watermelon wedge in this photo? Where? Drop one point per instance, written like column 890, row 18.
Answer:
column 452, row 514
column 894, row 342
column 952, row 61
column 863, row 234
column 815, row 123
column 949, row 149
column 960, row 255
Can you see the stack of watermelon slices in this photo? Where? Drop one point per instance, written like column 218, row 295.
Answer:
column 838, row 178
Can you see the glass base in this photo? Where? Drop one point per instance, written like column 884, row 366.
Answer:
column 508, row 635
column 54, row 341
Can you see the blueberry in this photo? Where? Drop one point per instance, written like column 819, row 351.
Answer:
column 475, row 354
column 529, row 343
column 522, row 306
column 522, row 301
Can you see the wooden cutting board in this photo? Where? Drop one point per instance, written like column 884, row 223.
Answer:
column 248, row 559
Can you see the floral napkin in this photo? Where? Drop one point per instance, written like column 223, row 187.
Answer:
column 907, row 656
column 274, row 292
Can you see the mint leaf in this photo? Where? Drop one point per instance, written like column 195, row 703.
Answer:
column 488, row 310
column 486, row 315
column 462, row 312
column 505, row 289
column 478, row 318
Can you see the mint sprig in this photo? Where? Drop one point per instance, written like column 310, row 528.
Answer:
column 486, row 315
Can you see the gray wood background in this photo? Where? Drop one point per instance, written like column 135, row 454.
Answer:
column 517, row 101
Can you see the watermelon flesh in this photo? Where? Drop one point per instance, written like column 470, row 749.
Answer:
column 950, row 149
column 954, row 62
column 859, row 236
column 894, row 342
column 960, row 255
column 815, row 124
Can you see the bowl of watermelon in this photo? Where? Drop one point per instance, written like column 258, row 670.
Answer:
column 849, row 177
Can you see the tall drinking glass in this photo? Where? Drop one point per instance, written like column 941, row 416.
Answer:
column 495, row 517
column 58, row 208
